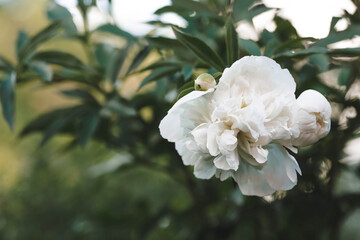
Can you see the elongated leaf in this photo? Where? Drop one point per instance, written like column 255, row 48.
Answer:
column 56, row 12
column 170, row 9
column 302, row 53
column 351, row 52
column 42, row 70
column 60, row 58
column 250, row 47
column 246, row 10
column 320, row 50
column 200, row 49
column 7, row 97
column 117, row 62
column 39, row 38
column 139, row 58
column 333, row 37
column 115, row 106
column 82, row 94
column 187, row 85
column 158, row 74
column 87, row 127
column 231, row 38
column 21, row 41
column 168, row 43
column 321, row 61
column 270, row 47
column 293, row 44
column 160, row 64
column 193, row 6
column 116, row 31
column 43, row 121
column 345, row 76
column 5, row 65
column 104, row 54
column 187, row 72
column 61, row 121
column 217, row 75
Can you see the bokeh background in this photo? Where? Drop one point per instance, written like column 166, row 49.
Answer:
column 141, row 190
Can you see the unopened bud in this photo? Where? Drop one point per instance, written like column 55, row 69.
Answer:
column 204, row 82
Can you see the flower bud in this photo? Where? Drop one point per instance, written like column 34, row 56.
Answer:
column 313, row 117
column 204, row 82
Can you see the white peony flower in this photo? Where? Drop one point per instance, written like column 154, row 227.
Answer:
column 241, row 127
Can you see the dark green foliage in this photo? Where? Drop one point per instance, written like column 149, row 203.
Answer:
column 201, row 49
column 7, row 98
column 136, row 186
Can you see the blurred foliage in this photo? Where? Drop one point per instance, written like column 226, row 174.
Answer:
column 118, row 179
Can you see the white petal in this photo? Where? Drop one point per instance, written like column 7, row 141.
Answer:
column 221, row 163
column 227, row 162
column 261, row 73
column 174, row 125
column 200, row 136
column 280, row 169
column 223, row 175
column 189, row 97
column 251, row 181
column 204, row 168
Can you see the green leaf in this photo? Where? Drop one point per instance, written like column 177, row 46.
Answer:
column 350, row 32
column 190, row 4
column 103, row 54
column 250, row 47
column 61, row 120
column 114, row 105
column 321, row 61
column 247, row 9
column 21, row 41
column 302, row 53
column 231, row 39
column 200, row 49
column 334, row 21
column 351, row 52
column 7, row 97
column 60, row 58
column 56, row 12
column 139, row 58
column 158, row 74
column 160, row 64
column 5, row 65
column 284, row 29
column 116, row 64
column 41, row 123
column 217, row 75
column 345, row 75
column 42, row 70
column 36, row 40
column 270, row 47
column 185, row 92
column 82, row 94
column 293, row 44
column 116, row 31
column 187, row 85
column 187, row 72
column 87, row 127
column 167, row 43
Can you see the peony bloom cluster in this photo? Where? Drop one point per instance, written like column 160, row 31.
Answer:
column 243, row 127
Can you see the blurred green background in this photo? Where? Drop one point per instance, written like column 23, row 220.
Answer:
column 128, row 183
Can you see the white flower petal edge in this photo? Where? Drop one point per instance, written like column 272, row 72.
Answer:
column 241, row 128
column 313, row 117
